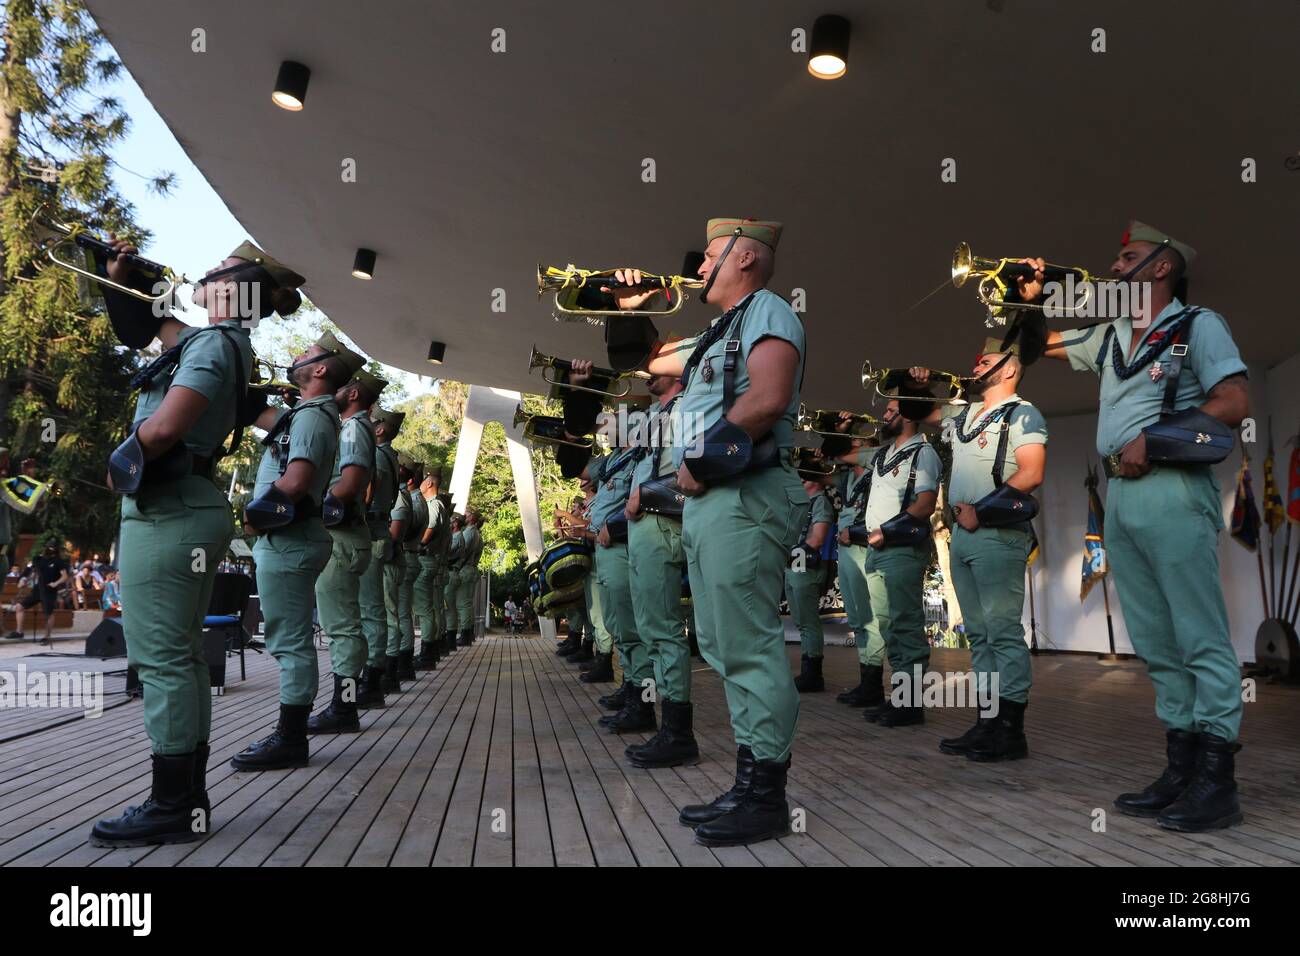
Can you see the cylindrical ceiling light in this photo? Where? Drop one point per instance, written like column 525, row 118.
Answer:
column 828, row 52
column 436, row 352
column 363, row 264
column 291, row 86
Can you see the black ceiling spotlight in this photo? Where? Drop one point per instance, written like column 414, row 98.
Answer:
column 691, row 264
column 436, row 351
column 363, row 265
column 828, row 52
column 291, row 86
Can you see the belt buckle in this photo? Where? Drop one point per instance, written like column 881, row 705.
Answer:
column 1112, row 465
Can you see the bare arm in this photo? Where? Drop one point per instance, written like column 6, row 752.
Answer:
column 352, row 483
column 1031, row 463
column 296, row 479
column 1229, row 401
column 180, row 409
column 924, row 504
column 817, row 535
column 772, row 365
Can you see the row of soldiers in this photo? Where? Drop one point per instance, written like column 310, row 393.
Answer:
column 746, row 528
column 346, row 526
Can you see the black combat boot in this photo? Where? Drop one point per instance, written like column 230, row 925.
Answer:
column 616, row 700
column 1007, row 740
column 870, row 691
column 389, row 682
column 1181, row 750
column 569, row 645
column 695, row 814
column 637, row 715
column 673, row 746
column 1209, row 802
column 428, row 659
column 467, row 637
column 760, row 814
column 286, row 747
column 449, row 641
column 370, row 689
column 172, row 813
column 586, row 652
column 975, row 736
column 809, row 677
column 200, row 781
column 339, row 715
column 406, row 664
column 601, row 670
column 891, row 716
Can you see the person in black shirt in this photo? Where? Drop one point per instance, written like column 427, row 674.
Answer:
column 49, row 574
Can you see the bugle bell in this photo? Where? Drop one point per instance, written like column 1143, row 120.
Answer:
column 997, row 289
column 886, row 383
column 624, row 379
column 262, row 379
column 815, row 467
column 571, row 282
column 63, row 234
column 823, row 421
column 547, row 430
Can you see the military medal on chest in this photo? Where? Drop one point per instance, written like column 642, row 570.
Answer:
column 1156, row 371
column 895, row 472
column 609, row 485
column 983, row 440
column 706, row 370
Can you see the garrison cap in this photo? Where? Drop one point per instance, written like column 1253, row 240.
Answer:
column 766, row 231
column 349, row 358
column 995, row 344
column 373, row 383
column 407, row 462
column 392, row 421
column 284, row 277
column 1141, row 232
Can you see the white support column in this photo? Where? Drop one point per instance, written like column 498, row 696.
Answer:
column 497, row 404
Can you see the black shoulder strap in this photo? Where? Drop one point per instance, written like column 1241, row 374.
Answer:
column 285, row 425
column 999, row 462
column 1177, row 352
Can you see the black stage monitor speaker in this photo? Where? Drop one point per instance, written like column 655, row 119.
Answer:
column 107, row 639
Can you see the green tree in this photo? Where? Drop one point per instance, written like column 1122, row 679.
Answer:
column 63, row 384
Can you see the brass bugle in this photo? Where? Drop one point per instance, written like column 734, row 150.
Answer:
column 823, row 421
column 877, row 377
column 547, row 430
column 71, row 235
column 568, row 282
column 616, row 379
column 810, row 465
column 263, row 380
column 997, row 276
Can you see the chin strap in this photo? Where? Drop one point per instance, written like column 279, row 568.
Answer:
column 713, row 273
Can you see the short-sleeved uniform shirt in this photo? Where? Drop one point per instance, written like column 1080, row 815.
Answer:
column 885, row 499
column 313, row 437
column 1129, row 405
column 456, row 548
column 401, row 510
column 851, row 492
column 820, row 511
column 975, row 444
column 384, row 498
column 356, row 448
column 441, row 525
column 473, row 546
column 658, row 459
column 207, row 365
column 615, row 486
column 419, row 519
column 766, row 315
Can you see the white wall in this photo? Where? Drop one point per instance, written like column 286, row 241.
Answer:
column 1065, row 623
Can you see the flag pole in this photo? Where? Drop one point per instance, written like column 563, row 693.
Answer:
column 1110, row 623
column 1270, row 597
column 1263, row 591
column 1033, row 620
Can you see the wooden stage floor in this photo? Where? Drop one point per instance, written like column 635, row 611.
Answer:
column 497, row 759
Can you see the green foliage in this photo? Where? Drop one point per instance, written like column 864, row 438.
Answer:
column 63, row 384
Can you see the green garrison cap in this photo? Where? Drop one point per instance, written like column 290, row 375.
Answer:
column 995, row 344
column 373, row 383
column 765, row 231
column 392, row 421
column 406, row 461
column 284, row 277
column 351, row 359
column 1141, row 232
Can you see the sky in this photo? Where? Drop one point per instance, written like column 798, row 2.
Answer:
column 149, row 148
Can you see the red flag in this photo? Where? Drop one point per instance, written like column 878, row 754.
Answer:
column 1293, row 487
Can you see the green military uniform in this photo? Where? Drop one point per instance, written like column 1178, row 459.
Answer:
column 1162, row 528
column 988, row 564
column 290, row 559
column 400, row 575
column 467, row 578
column 804, row 585
column 738, row 535
column 896, row 574
column 414, row 534
column 853, row 569
column 455, row 555
column 374, row 583
column 432, row 560
column 338, row 589
column 613, row 568
column 174, row 535
column 656, row 560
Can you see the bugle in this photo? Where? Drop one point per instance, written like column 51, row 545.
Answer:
column 997, row 290
column 547, row 430
column 262, row 379
column 569, row 283
column 624, row 379
column 823, row 421
column 63, row 234
column 887, row 381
